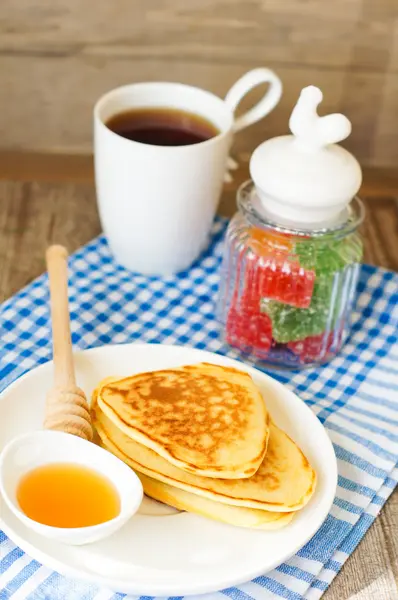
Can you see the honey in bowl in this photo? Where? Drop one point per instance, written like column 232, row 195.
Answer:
column 67, row 495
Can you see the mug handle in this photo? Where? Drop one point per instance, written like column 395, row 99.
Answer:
column 243, row 86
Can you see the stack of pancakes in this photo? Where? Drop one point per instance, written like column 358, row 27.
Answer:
column 200, row 438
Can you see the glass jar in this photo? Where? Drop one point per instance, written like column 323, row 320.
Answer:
column 286, row 295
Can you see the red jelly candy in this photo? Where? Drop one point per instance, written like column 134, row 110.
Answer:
column 249, row 331
column 285, row 282
column 315, row 347
column 272, row 272
column 249, row 303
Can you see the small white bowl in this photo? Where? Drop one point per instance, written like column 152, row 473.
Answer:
column 26, row 452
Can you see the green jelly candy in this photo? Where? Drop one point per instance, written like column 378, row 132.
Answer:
column 290, row 324
column 327, row 256
column 330, row 259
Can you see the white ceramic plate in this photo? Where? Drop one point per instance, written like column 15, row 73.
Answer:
column 167, row 553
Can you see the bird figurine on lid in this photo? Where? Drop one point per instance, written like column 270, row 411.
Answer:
column 306, row 178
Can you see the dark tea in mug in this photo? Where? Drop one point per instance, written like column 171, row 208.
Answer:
column 162, row 126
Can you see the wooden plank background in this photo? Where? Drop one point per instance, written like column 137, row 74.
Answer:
column 58, row 56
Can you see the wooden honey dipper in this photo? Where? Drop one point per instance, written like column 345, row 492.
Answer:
column 66, row 406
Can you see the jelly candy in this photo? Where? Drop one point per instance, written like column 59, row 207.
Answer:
column 316, row 348
column 288, row 283
column 249, row 332
column 247, row 328
column 291, row 324
column 265, row 243
column 328, row 256
column 312, row 348
column 271, row 274
column 328, row 260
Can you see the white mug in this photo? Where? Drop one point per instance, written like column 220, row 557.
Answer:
column 157, row 203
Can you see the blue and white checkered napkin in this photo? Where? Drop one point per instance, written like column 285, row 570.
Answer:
column 355, row 396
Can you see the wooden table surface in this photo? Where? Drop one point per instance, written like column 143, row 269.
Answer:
column 47, row 199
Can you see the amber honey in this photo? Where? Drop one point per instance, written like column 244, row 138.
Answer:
column 67, row 495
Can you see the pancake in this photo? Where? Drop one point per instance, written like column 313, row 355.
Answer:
column 233, row 515
column 284, row 482
column 205, row 419
column 182, row 500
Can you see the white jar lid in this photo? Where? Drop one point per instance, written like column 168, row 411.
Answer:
column 306, row 178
